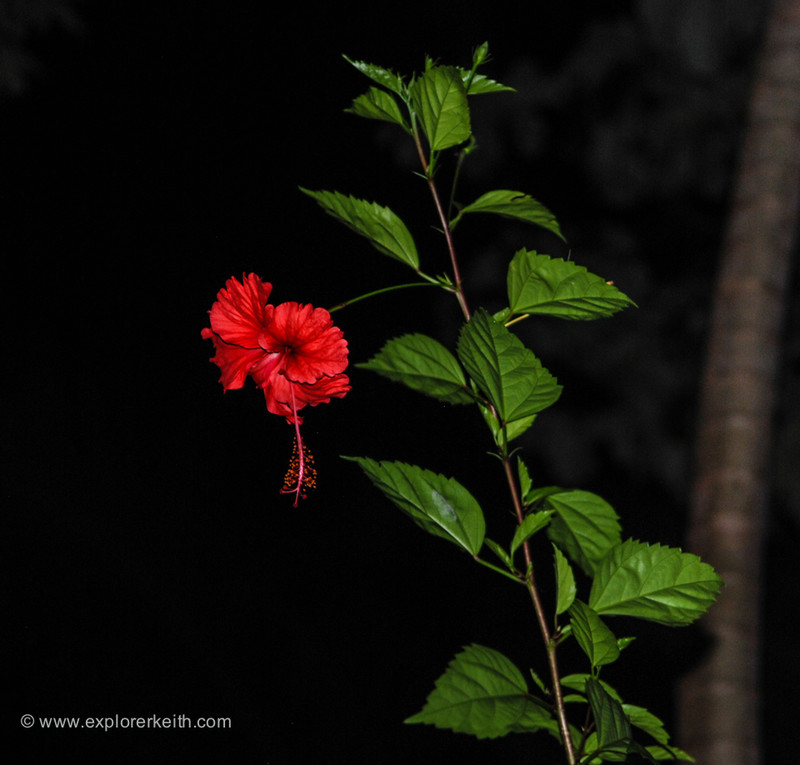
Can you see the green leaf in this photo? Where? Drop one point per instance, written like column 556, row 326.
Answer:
column 534, row 719
column 647, row 722
column 619, row 751
column 658, row 753
column 539, row 683
column 624, row 642
column 500, row 553
column 440, row 102
column 536, row 496
column 585, row 527
column 508, row 374
column 481, row 84
column 577, row 682
column 382, row 76
column 385, row 231
column 659, row 584
column 539, row 284
column 533, row 522
column 423, row 364
column 525, row 482
column 377, row 104
column 513, row 204
column 503, row 437
column 613, row 728
column 565, row 582
column 502, row 315
column 672, row 753
column 439, row 505
column 484, row 694
column 516, row 428
column 593, row 636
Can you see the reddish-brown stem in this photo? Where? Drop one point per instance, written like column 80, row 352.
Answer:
column 448, row 234
column 541, row 617
column 530, row 580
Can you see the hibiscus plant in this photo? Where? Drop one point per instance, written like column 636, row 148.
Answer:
column 297, row 356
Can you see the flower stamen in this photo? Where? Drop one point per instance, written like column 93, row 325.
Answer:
column 301, row 475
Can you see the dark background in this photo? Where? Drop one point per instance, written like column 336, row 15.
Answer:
column 152, row 150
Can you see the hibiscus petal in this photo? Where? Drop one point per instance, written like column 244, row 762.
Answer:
column 240, row 313
column 322, row 390
column 311, row 345
column 293, row 352
column 278, row 393
column 234, row 362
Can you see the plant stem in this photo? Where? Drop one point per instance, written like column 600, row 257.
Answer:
column 541, row 617
column 530, row 580
column 451, row 202
column 448, row 234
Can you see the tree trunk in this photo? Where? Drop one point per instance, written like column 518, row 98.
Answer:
column 719, row 700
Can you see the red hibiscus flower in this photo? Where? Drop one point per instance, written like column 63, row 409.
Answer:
column 293, row 352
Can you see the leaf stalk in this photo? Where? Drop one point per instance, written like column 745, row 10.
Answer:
column 381, row 291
